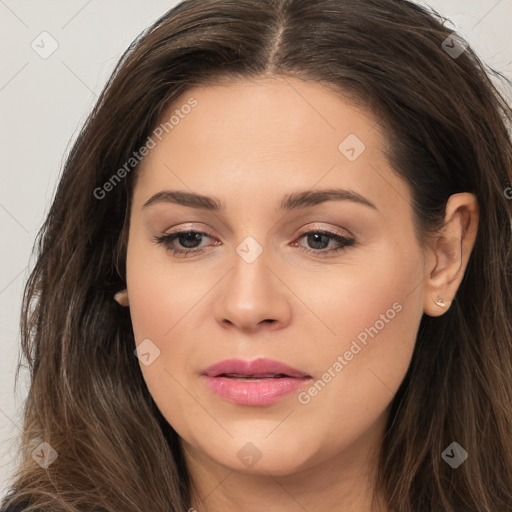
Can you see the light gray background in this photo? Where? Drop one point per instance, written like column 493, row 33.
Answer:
column 43, row 103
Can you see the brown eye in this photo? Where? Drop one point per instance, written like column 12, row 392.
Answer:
column 319, row 241
column 188, row 240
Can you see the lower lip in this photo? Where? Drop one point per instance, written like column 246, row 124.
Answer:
column 254, row 392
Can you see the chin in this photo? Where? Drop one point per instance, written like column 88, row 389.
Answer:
column 260, row 455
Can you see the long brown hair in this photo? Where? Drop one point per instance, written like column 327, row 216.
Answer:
column 448, row 131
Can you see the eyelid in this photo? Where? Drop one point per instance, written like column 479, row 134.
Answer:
column 303, row 230
column 188, row 227
column 316, row 227
column 192, row 226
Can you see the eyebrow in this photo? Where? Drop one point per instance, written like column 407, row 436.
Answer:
column 294, row 201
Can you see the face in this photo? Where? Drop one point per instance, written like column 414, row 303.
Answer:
column 327, row 284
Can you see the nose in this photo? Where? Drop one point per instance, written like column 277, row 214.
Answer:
column 252, row 297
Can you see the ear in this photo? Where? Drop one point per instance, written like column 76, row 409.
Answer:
column 449, row 253
column 121, row 297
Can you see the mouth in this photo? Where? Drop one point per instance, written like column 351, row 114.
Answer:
column 259, row 382
column 250, row 378
column 261, row 368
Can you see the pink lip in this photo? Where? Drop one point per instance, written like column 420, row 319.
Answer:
column 260, row 391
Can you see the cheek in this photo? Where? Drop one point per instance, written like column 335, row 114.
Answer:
column 160, row 295
column 357, row 380
column 161, row 308
column 155, row 314
column 373, row 314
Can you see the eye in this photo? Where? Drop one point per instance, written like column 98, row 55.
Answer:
column 320, row 239
column 188, row 238
column 190, row 242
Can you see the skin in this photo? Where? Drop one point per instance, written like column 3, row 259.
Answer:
column 249, row 143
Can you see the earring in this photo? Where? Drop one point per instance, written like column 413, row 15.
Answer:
column 121, row 297
column 440, row 302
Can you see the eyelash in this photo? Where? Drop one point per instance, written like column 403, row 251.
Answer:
column 166, row 241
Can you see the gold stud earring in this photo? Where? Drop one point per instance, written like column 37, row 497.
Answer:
column 440, row 302
column 121, row 297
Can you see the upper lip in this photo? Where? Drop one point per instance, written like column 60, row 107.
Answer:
column 258, row 368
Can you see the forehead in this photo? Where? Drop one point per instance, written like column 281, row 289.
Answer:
column 245, row 137
column 270, row 114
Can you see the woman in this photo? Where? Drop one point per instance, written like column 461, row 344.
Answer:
column 276, row 274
